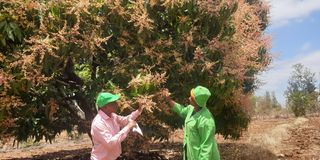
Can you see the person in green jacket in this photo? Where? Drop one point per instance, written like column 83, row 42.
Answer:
column 199, row 126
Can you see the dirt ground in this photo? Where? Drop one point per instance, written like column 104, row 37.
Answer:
column 291, row 138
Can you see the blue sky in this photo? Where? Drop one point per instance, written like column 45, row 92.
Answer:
column 295, row 31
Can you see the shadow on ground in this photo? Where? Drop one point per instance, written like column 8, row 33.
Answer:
column 228, row 151
column 78, row 154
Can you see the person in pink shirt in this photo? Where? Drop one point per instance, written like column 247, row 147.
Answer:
column 108, row 129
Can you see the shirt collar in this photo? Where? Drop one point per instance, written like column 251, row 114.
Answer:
column 103, row 115
column 202, row 109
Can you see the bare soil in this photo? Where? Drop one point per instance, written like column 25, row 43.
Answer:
column 290, row 138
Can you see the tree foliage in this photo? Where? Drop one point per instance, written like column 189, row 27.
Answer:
column 58, row 55
column 301, row 92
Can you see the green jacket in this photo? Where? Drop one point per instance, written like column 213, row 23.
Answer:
column 199, row 130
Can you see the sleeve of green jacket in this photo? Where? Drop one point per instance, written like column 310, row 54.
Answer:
column 206, row 133
column 180, row 110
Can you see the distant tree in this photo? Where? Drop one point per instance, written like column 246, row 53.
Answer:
column 262, row 104
column 275, row 103
column 266, row 104
column 301, row 92
column 268, row 99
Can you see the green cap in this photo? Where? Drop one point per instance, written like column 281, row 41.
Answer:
column 104, row 98
column 201, row 95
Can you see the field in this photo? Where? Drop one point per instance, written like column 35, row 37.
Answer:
column 288, row 138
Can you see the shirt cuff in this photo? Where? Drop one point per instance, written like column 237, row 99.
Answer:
column 124, row 131
column 135, row 114
column 176, row 107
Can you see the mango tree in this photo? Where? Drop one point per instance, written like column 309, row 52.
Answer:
column 56, row 56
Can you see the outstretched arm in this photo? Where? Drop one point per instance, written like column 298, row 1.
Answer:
column 178, row 108
column 124, row 120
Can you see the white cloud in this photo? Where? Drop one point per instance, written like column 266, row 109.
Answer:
column 283, row 12
column 276, row 78
column 306, row 46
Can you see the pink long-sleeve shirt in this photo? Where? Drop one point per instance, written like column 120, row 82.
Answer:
column 107, row 136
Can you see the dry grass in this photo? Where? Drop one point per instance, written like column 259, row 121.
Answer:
column 244, row 151
column 273, row 138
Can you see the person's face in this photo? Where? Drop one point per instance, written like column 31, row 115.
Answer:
column 192, row 101
column 111, row 107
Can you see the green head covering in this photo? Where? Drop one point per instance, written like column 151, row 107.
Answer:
column 104, row 98
column 201, row 95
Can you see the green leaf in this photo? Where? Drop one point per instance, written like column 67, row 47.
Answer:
column 13, row 25
column 18, row 34
column 10, row 35
column 2, row 25
column 16, row 30
column 9, row 32
column 3, row 40
column 110, row 85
